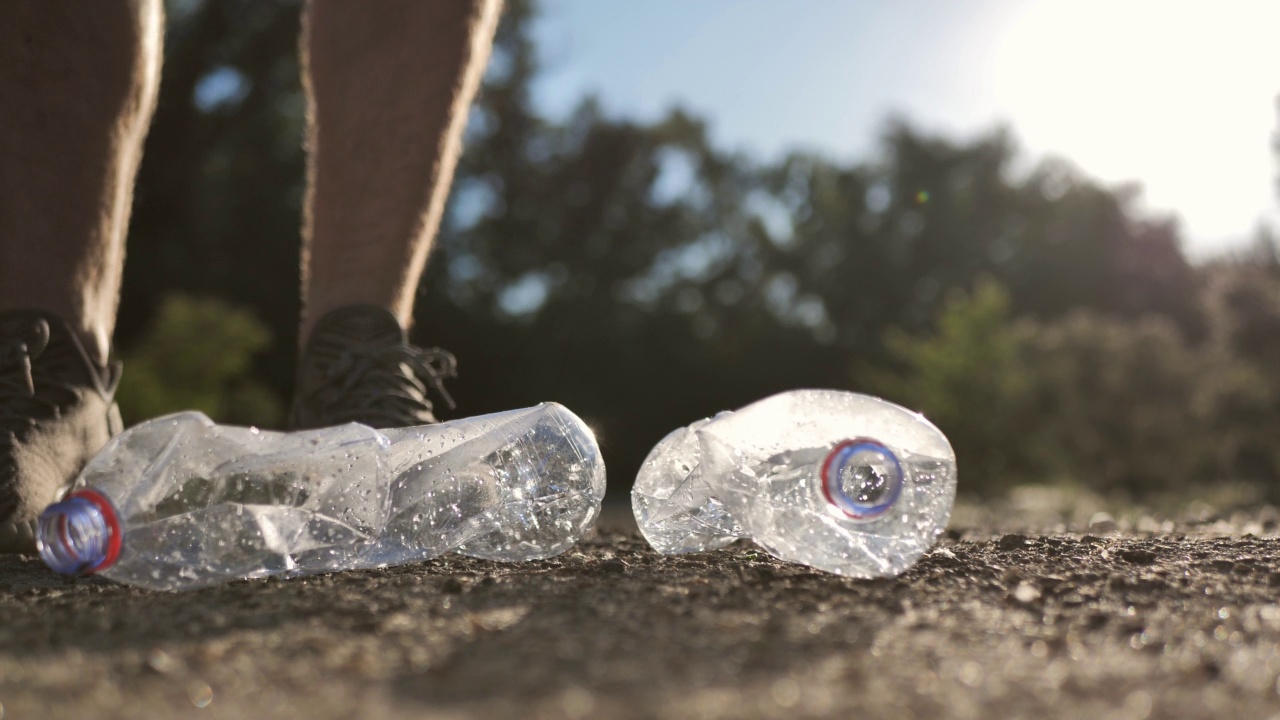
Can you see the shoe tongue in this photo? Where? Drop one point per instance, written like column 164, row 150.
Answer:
column 360, row 325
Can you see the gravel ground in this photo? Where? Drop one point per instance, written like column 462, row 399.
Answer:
column 1124, row 625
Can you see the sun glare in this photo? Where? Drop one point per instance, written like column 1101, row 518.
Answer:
column 1179, row 96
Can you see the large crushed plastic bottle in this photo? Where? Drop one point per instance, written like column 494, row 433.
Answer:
column 842, row 482
column 179, row 502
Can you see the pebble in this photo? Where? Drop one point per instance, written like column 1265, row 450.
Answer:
column 1137, row 556
column 1012, row 541
column 1025, row 593
column 1103, row 522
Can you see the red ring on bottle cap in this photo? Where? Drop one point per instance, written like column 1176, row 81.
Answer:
column 114, row 536
column 826, row 478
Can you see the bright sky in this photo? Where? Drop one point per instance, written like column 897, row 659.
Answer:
column 1178, row 95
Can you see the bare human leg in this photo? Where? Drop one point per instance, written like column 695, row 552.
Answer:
column 78, row 86
column 389, row 84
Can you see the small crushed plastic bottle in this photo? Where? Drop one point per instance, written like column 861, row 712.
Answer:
column 179, row 502
column 842, row 482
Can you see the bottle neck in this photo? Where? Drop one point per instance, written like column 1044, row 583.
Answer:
column 862, row 478
column 79, row 534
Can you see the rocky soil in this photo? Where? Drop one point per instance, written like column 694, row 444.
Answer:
column 1125, row 624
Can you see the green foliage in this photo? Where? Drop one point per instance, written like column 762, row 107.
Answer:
column 1241, row 399
column 1117, row 405
column 197, row 355
column 653, row 259
column 646, row 277
column 969, row 378
column 219, row 194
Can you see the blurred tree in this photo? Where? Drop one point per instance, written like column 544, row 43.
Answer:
column 218, row 201
column 970, row 379
column 1242, row 399
column 634, row 271
column 1109, row 403
column 196, row 355
column 606, row 263
column 1116, row 404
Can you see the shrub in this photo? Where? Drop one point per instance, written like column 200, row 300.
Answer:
column 1116, row 402
column 969, row 379
column 197, row 355
column 1120, row 406
column 1241, row 303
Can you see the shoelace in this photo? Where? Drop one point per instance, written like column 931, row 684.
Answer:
column 27, row 393
column 389, row 383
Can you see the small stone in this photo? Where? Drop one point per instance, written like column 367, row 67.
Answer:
column 451, row 586
column 1223, row 566
column 1025, row 593
column 612, row 567
column 396, row 623
column 1138, row 557
column 1012, row 541
column 1102, row 522
column 755, row 575
column 1241, row 568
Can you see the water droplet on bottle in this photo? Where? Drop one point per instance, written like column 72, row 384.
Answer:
column 258, row 503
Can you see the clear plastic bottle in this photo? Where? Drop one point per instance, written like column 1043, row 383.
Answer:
column 842, row 482
column 179, row 502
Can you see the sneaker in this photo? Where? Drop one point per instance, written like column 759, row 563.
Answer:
column 56, row 412
column 358, row 366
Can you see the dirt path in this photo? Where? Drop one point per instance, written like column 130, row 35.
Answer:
column 985, row 626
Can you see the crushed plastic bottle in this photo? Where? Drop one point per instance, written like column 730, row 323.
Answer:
column 842, row 482
column 179, row 502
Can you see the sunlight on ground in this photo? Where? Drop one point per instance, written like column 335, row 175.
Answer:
column 1228, row 509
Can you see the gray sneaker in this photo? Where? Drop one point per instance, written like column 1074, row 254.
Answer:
column 56, row 412
column 358, row 366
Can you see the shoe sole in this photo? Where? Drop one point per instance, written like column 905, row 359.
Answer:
column 18, row 537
